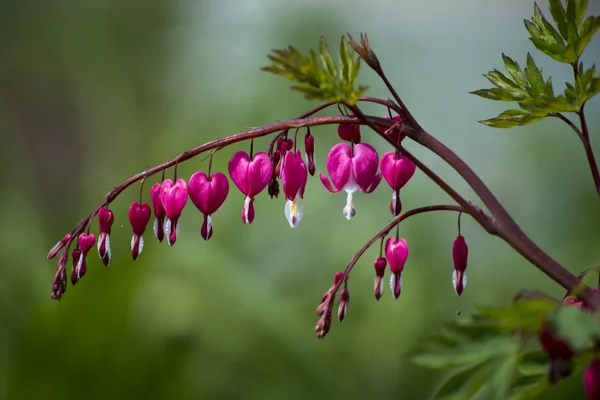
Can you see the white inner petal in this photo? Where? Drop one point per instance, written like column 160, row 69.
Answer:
column 393, row 283
column 351, row 186
column 107, row 246
column 140, row 246
column 455, row 279
column 132, row 242
column 349, row 210
column 246, row 208
column 293, row 210
column 208, row 225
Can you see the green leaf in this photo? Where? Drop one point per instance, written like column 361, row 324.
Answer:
column 511, row 119
column 504, row 83
column 320, row 81
column 560, row 17
column 493, row 94
column 588, row 29
column 515, row 71
column 547, row 39
column 464, row 384
column 580, row 7
column 534, row 77
column 326, row 56
column 577, row 326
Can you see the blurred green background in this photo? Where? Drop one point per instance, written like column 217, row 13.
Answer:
column 93, row 92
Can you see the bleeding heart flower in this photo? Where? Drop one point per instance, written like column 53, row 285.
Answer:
column 379, row 264
column 251, row 177
column 351, row 170
column 105, row 221
column 139, row 216
column 293, row 177
column 85, row 241
column 460, row 253
column 396, row 252
column 159, row 211
column 208, row 194
column 397, row 171
column 173, row 197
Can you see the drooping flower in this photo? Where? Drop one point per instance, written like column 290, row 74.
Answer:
column 105, row 221
column 396, row 252
column 251, row 176
column 349, row 132
column 591, row 380
column 293, row 177
column 379, row 264
column 397, row 171
column 309, row 148
column 208, row 194
column 273, row 186
column 85, row 241
column 173, row 197
column 139, row 216
column 351, row 170
column 159, row 211
column 460, row 253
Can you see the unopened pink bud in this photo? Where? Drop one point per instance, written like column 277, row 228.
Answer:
column 379, row 265
column 59, row 246
column 460, row 253
column 343, row 304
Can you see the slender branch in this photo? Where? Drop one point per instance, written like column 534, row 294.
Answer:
column 584, row 136
column 382, row 233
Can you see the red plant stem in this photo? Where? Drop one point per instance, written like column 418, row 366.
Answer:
column 584, row 136
column 382, row 233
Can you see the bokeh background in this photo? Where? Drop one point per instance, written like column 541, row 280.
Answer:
column 94, row 92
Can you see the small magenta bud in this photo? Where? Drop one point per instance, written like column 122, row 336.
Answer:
column 59, row 246
column 159, row 211
column 591, row 380
column 79, row 266
column 343, row 304
column 379, row 265
column 396, row 252
column 173, row 197
column 59, row 283
column 460, row 253
column 139, row 216
column 309, row 149
column 106, row 219
column 338, row 278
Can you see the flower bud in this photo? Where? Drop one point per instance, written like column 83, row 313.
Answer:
column 460, row 253
column 343, row 304
column 396, row 252
column 59, row 246
column 591, row 380
column 309, row 148
column 105, row 221
column 379, row 265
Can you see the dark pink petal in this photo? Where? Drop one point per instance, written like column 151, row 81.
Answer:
column 260, row 171
column 460, row 253
column 374, row 183
column 238, row 170
column 294, row 175
column 155, row 197
column 174, row 196
column 327, row 184
column 396, row 171
column 339, row 165
column 86, row 242
column 396, row 252
column 105, row 220
column 208, row 194
column 364, row 165
column 349, row 132
column 591, row 380
column 139, row 216
column 59, row 246
column 206, row 231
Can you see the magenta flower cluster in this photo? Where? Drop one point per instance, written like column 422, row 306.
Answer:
column 351, row 166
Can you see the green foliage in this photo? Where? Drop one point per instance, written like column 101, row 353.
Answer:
column 534, row 95
column 320, row 81
column 490, row 354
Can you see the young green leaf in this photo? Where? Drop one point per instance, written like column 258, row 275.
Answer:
column 578, row 326
column 515, row 71
column 547, row 39
column 326, row 56
column 511, row 119
column 560, row 17
column 588, row 29
column 465, row 383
